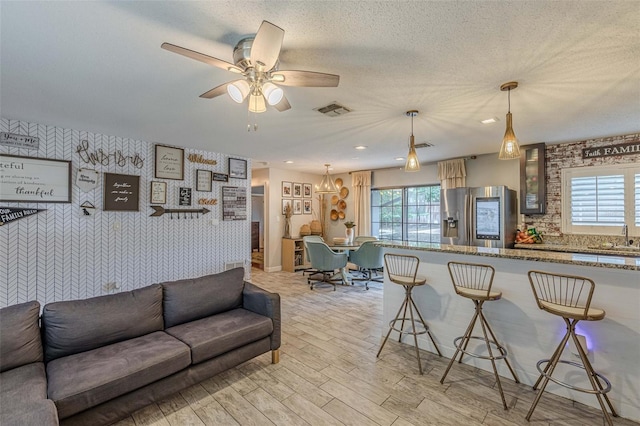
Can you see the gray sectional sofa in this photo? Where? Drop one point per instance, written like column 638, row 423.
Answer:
column 108, row 356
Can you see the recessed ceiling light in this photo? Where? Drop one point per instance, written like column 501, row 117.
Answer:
column 399, row 158
column 355, row 158
column 361, row 147
column 289, row 161
column 490, row 120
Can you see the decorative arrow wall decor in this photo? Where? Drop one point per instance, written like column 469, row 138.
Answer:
column 159, row 211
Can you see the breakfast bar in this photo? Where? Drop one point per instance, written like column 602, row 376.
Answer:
column 528, row 333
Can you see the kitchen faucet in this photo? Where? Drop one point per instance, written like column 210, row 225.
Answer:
column 625, row 232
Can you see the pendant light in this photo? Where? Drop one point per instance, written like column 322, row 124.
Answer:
column 413, row 163
column 510, row 149
column 327, row 185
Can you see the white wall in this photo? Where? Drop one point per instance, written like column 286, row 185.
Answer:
column 60, row 254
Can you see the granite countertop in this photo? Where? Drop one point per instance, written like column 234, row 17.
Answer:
column 541, row 255
column 576, row 249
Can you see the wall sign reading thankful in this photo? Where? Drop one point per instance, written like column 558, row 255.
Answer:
column 34, row 180
column 610, row 151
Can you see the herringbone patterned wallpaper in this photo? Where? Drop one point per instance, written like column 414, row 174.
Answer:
column 61, row 254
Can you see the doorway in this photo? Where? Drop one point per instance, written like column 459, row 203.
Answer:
column 257, row 226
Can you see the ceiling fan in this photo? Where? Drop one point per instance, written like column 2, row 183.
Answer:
column 256, row 59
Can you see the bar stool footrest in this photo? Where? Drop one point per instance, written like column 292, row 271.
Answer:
column 421, row 330
column 567, row 385
column 503, row 352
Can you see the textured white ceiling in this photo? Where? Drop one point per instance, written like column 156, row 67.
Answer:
column 98, row 66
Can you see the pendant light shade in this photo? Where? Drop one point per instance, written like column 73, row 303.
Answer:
column 413, row 163
column 272, row 92
column 510, row 149
column 327, row 185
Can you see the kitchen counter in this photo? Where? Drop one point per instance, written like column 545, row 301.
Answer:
column 529, row 333
column 534, row 252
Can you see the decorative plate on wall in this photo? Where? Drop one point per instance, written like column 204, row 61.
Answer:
column 344, row 192
column 334, row 200
column 338, row 182
column 334, row 215
column 341, row 215
column 342, row 204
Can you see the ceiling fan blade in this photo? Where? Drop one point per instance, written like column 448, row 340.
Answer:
column 216, row 91
column 283, row 105
column 266, row 46
column 305, row 79
column 201, row 57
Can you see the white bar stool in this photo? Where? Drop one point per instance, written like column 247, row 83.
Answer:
column 403, row 270
column 474, row 281
column 569, row 296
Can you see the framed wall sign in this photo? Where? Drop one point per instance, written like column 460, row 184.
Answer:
column 169, row 163
column 158, row 192
column 286, row 189
column 204, row 180
column 234, row 203
column 220, row 177
column 306, row 206
column 297, row 190
column 121, row 192
column 34, row 180
column 297, row 206
column 237, row 168
column 184, row 197
column 307, row 190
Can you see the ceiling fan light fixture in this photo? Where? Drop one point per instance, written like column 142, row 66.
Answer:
column 278, row 78
column 238, row 90
column 272, row 92
column 327, row 184
column 510, row 148
column 256, row 103
column 413, row 162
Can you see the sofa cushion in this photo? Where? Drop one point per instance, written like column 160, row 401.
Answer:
column 37, row 413
column 81, row 325
column 217, row 334
column 20, row 342
column 80, row 381
column 188, row 300
column 22, row 385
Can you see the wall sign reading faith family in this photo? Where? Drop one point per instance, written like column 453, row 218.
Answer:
column 612, row 150
column 34, row 180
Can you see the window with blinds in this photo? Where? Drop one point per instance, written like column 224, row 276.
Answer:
column 599, row 200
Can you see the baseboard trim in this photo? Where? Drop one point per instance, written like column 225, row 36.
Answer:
column 273, row 269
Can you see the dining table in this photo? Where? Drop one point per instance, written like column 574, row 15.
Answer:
column 340, row 248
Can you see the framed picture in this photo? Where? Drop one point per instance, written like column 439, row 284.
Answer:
column 297, row 206
column 220, row 177
column 286, row 203
column 306, row 206
column 121, row 192
column 169, row 163
column 306, row 190
column 286, row 189
column 158, row 192
column 204, row 180
column 34, row 180
column 237, row 168
column 184, row 197
column 297, row 190
column 234, row 203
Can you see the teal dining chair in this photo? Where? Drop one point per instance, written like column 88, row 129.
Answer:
column 326, row 262
column 369, row 260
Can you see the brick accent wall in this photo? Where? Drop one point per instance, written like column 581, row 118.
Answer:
column 566, row 155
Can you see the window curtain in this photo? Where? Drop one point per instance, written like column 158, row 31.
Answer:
column 452, row 173
column 361, row 184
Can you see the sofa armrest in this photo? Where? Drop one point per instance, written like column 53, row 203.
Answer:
column 264, row 303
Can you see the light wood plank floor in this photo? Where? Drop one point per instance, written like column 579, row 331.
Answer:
column 329, row 375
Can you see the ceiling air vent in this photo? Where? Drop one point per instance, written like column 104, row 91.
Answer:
column 333, row 110
column 423, row 145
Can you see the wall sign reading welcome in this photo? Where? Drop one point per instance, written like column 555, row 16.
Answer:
column 34, row 180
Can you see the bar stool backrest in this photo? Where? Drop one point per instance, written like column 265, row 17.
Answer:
column 471, row 276
column 562, row 291
column 402, row 269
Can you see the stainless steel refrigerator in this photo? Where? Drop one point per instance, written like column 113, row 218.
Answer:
column 483, row 217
